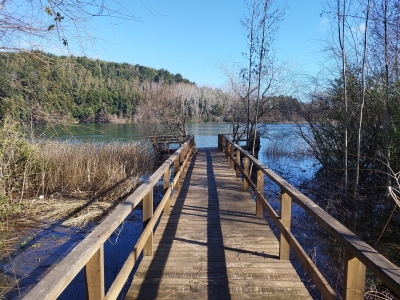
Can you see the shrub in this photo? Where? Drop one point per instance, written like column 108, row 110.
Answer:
column 19, row 167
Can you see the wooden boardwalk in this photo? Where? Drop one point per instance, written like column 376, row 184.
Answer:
column 212, row 246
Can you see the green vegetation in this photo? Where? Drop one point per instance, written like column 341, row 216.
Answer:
column 39, row 87
column 43, row 88
column 19, row 164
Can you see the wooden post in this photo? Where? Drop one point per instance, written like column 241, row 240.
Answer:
column 238, row 162
column 232, row 155
column 147, row 214
column 286, row 205
column 260, row 188
column 166, row 181
column 219, row 141
column 176, row 170
column 226, row 147
column 189, row 153
column 228, row 152
column 176, row 165
column 182, row 159
column 246, row 172
column 94, row 270
column 354, row 277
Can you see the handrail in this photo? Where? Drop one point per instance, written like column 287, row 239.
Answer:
column 90, row 252
column 358, row 254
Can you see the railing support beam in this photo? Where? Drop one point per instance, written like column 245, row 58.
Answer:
column 354, row 277
column 246, row 172
column 232, row 152
column 181, row 159
column 166, row 183
column 176, row 170
column 238, row 163
column 228, row 152
column 260, row 188
column 147, row 214
column 286, row 208
column 94, row 270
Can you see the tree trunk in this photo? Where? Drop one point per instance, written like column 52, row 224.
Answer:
column 362, row 101
column 341, row 19
column 387, row 108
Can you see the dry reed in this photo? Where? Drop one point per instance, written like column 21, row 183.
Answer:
column 80, row 183
column 278, row 149
column 74, row 182
column 89, row 167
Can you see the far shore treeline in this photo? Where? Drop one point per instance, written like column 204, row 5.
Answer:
column 37, row 87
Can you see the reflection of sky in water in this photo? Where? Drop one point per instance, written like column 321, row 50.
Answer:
column 205, row 133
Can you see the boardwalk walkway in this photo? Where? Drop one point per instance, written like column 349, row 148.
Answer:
column 212, row 246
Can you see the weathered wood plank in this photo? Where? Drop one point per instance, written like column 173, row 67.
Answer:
column 212, row 245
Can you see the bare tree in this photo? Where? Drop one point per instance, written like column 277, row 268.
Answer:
column 26, row 24
column 168, row 105
column 386, row 41
column 341, row 25
column 387, row 107
column 254, row 83
column 362, row 97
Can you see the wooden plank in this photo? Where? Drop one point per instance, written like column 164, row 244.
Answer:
column 194, row 264
column 213, row 242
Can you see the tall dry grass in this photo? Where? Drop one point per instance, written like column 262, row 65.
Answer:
column 89, row 167
column 279, row 149
column 81, row 183
column 40, row 180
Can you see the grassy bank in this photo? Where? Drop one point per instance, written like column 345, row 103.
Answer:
column 50, row 181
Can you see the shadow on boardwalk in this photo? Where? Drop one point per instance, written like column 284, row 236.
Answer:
column 212, row 246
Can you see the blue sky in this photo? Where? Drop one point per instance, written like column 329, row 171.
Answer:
column 193, row 37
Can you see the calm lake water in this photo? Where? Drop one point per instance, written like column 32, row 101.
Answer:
column 205, row 133
column 282, row 135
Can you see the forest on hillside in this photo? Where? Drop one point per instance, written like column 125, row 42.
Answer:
column 43, row 87
column 39, row 87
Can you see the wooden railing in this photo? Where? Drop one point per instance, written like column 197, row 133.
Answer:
column 358, row 254
column 89, row 254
